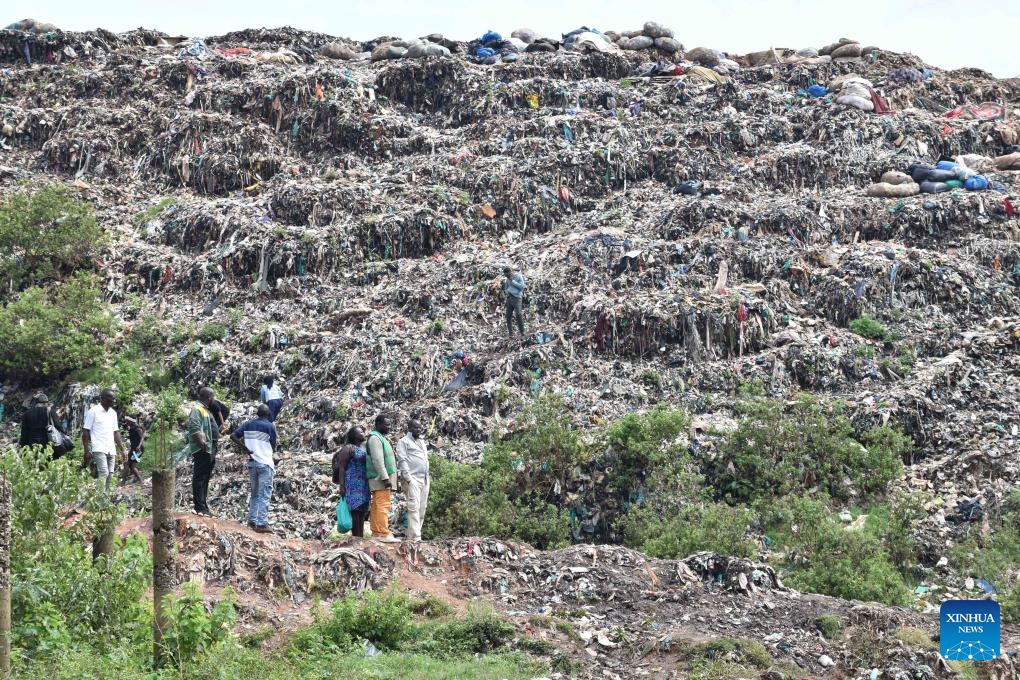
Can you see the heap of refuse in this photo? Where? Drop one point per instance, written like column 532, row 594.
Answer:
column 688, row 221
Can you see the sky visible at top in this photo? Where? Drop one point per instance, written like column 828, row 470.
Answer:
column 945, row 34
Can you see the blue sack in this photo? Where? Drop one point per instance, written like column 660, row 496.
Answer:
column 975, row 183
column 484, row 52
column 946, row 165
column 818, row 91
column 344, row 521
column 491, row 37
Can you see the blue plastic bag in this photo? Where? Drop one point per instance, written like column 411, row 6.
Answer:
column 975, row 183
column 344, row 521
column 818, row 90
column 491, row 37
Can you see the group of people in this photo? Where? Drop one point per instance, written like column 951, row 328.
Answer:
column 369, row 468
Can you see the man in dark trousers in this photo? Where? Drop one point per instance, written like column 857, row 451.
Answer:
column 202, row 440
column 35, row 423
column 514, row 289
column 136, row 444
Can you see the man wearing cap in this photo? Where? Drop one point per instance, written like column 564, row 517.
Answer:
column 35, row 423
column 100, row 435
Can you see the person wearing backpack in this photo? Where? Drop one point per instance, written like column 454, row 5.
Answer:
column 381, row 470
column 350, row 473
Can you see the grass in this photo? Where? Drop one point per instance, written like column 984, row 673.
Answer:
column 154, row 211
column 829, row 626
column 915, row 637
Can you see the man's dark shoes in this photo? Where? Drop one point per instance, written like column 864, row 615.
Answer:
column 262, row 529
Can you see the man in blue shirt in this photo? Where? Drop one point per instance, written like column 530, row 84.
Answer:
column 514, row 289
column 258, row 438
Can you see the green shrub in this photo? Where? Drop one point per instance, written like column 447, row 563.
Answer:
column 640, row 444
column 59, row 597
column 45, row 235
column 867, row 327
column 147, row 335
column 829, row 626
column 153, row 211
column 652, row 379
column 124, row 377
column 776, row 451
column 822, row 556
column 49, row 333
column 513, row 493
column 716, row 526
column 212, row 332
column 193, row 630
column 481, row 631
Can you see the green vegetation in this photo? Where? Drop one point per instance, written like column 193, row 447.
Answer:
column 994, row 557
column 829, row 626
column 45, row 235
column 866, row 327
column 724, row 659
column 47, row 333
column 154, row 211
column 778, row 450
column 212, row 332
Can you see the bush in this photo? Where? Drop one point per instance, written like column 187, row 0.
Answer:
column 49, row 333
column 869, row 328
column 59, row 597
column 212, row 332
column 822, row 556
column 482, row 631
column 194, row 630
column 147, row 335
column 716, row 527
column 643, row 443
column 45, row 235
column 777, row 451
column 518, row 490
column 124, row 377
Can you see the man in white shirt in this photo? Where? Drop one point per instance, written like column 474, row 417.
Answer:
column 413, row 464
column 100, row 437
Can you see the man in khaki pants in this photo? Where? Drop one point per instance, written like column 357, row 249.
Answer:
column 413, row 463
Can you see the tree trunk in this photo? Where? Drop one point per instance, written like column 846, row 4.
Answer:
column 5, row 578
column 162, row 553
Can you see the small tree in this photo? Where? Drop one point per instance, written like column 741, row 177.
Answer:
column 45, row 235
column 49, row 333
column 163, row 481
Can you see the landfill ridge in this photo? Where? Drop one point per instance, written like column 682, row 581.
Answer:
column 687, row 222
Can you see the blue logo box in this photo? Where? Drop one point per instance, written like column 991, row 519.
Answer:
column 969, row 630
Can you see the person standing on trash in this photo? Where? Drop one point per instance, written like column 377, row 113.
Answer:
column 351, row 474
column 381, row 470
column 513, row 287
column 202, row 440
column 413, row 464
column 258, row 438
column 100, row 436
column 35, row 424
column 136, row 440
column 272, row 396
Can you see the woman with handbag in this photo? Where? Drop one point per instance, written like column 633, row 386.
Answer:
column 350, row 473
column 38, row 428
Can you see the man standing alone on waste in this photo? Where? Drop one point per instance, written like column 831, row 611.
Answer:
column 272, row 396
column 381, row 467
column 258, row 438
column 100, row 435
column 514, row 289
column 413, row 463
column 35, row 423
column 202, row 440
column 136, row 438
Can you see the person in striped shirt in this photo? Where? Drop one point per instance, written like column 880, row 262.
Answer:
column 258, row 439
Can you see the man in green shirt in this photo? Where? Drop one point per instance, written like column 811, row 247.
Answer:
column 381, row 466
column 203, row 436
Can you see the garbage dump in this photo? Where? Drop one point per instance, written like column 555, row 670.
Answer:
column 343, row 209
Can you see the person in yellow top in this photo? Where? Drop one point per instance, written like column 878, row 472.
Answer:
column 381, row 466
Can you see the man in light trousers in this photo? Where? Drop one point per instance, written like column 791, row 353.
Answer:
column 100, row 437
column 413, row 464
